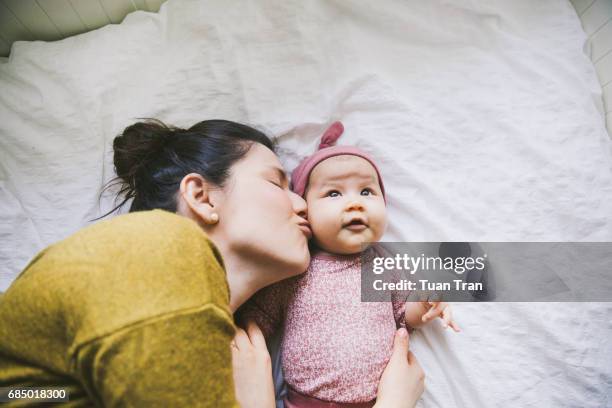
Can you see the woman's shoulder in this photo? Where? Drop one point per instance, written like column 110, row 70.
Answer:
column 132, row 257
column 146, row 225
column 127, row 269
column 138, row 233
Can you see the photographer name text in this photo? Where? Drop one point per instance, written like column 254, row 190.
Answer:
column 426, row 285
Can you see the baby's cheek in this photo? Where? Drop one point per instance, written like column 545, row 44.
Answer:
column 325, row 231
column 382, row 220
column 321, row 217
column 380, row 226
column 327, row 234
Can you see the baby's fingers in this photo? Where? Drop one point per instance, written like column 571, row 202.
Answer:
column 434, row 311
column 454, row 326
column 447, row 319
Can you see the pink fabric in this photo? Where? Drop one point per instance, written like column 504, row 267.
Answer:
column 335, row 347
column 301, row 174
column 296, row 400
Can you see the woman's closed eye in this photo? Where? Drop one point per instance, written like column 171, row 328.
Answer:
column 277, row 183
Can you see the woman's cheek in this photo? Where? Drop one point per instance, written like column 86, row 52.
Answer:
column 277, row 199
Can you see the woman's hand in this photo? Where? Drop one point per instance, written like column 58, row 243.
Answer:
column 403, row 380
column 252, row 368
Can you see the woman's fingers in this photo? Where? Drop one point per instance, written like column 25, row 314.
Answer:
column 402, row 381
column 252, row 369
column 251, row 337
column 241, row 339
column 400, row 343
column 255, row 335
column 411, row 358
column 413, row 363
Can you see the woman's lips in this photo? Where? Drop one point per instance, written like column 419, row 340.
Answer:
column 306, row 230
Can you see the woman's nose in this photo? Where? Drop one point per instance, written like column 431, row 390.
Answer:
column 299, row 205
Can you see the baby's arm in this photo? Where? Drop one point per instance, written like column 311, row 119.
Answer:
column 419, row 313
column 416, row 314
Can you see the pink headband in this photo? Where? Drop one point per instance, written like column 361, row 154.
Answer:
column 326, row 149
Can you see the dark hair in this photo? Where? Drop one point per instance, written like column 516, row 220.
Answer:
column 152, row 158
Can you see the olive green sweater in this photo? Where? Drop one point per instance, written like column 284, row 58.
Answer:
column 132, row 311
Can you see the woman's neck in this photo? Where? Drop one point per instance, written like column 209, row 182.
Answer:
column 248, row 274
column 245, row 274
column 242, row 281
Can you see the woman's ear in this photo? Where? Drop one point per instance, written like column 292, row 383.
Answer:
column 195, row 192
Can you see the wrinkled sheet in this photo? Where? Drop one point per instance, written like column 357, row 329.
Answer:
column 485, row 118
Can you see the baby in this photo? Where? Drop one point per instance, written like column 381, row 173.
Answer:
column 335, row 347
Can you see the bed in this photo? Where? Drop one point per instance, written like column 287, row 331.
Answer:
column 488, row 120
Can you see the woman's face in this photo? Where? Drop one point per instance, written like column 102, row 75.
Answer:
column 260, row 218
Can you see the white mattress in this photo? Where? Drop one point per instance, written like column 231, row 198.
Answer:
column 485, row 118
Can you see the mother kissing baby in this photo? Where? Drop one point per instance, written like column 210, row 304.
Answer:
column 138, row 310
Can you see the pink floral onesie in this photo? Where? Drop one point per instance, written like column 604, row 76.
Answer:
column 335, row 347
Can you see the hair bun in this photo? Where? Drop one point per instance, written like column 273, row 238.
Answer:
column 136, row 146
column 151, row 159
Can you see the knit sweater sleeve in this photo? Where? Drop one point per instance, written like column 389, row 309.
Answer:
column 163, row 361
column 132, row 311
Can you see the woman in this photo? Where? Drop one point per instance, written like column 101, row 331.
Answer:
column 137, row 310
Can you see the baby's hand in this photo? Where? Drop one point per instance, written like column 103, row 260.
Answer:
column 441, row 310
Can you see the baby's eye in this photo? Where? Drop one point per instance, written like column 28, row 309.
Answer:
column 333, row 193
column 366, row 192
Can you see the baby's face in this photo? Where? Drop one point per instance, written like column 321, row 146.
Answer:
column 346, row 207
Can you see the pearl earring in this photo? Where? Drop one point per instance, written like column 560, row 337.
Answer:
column 214, row 218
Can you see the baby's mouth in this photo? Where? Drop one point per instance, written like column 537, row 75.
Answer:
column 356, row 225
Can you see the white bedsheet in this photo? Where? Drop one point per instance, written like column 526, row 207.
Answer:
column 485, row 118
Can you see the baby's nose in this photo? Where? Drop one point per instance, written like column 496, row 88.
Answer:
column 355, row 205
